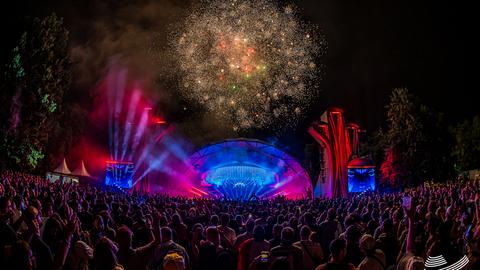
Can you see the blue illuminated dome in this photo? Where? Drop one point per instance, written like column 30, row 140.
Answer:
column 240, row 168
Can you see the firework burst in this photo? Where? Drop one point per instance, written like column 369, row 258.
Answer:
column 249, row 61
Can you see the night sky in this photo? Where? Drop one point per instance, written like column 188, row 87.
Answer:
column 373, row 47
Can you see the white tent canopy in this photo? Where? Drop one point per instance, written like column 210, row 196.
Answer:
column 63, row 169
column 81, row 170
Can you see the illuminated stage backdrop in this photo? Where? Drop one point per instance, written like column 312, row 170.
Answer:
column 119, row 174
column 241, row 168
column 361, row 175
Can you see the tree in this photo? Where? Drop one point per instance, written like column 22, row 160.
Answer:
column 466, row 149
column 416, row 143
column 373, row 146
column 434, row 159
column 403, row 135
column 36, row 82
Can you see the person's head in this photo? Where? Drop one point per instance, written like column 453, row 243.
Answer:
column 415, row 263
column 32, row 213
column 280, row 263
column 224, row 261
column 225, row 219
column 250, row 225
column 288, row 236
column 37, row 204
column 239, row 219
column 6, row 209
column 82, row 251
column 173, row 261
column 176, row 219
column 104, row 255
column 270, row 220
column 258, row 233
column 367, row 244
column 398, row 215
column 22, row 256
column 124, row 237
column 166, row 234
column 309, row 219
column 197, row 229
column 280, row 219
column 18, row 201
column 75, row 206
column 53, row 231
column 98, row 223
column 277, row 231
column 338, row 249
column 5, row 205
column 353, row 234
column 163, row 221
column 48, row 210
column 305, row 232
column 213, row 236
column 349, row 221
column 85, row 206
column 314, row 237
column 293, row 222
column 214, row 220
column 387, row 225
column 440, row 212
column 331, row 214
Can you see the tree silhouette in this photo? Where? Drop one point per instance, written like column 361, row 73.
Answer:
column 36, row 81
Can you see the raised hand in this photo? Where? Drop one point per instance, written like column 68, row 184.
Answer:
column 71, row 225
column 411, row 212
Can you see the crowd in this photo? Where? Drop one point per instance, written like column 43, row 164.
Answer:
column 62, row 226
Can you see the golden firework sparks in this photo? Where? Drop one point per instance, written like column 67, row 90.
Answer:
column 250, row 60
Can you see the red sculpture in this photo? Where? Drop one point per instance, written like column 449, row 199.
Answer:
column 339, row 142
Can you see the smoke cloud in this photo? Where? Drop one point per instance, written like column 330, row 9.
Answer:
column 135, row 32
column 138, row 35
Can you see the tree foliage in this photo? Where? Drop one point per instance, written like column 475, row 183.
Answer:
column 434, row 161
column 414, row 145
column 466, row 149
column 403, row 135
column 36, row 82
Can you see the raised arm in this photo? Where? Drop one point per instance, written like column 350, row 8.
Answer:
column 156, row 228
column 411, row 227
column 477, row 208
column 62, row 252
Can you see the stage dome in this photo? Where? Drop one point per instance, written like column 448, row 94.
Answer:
column 240, row 168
